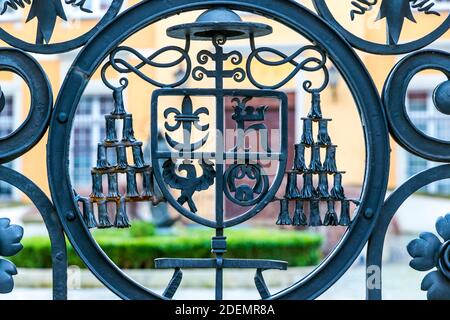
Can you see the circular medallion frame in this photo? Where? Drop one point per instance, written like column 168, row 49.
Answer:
column 290, row 14
column 378, row 48
column 65, row 46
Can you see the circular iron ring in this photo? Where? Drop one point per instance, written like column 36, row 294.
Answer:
column 33, row 128
column 378, row 48
column 65, row 46
column 394, row 97
column 288, row 13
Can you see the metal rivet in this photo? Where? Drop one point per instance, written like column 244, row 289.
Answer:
column 60, row 256
column 62, row 117
column 369, row 213
column 70, row 216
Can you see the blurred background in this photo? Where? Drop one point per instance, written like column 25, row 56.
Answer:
column 158, row 231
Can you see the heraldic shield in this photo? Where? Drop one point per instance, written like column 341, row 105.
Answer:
column 188, row 165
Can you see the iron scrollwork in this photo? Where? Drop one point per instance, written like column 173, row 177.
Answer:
column 47, row 13
column 245, row 177
column 14, row 146
column 394, row 12
column 416, row 142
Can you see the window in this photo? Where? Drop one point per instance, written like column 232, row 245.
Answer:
column 87, row 132
column 442, row 5
column 429, row 120
column 7, row 126
column 98, row 8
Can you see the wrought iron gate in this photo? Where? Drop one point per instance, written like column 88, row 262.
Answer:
column 314, row 187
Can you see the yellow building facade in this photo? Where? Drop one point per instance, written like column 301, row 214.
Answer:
column 337, row 102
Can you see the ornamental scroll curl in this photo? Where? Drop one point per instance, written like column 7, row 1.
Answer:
column 416, row 142
column 309, row 64
column 13, row 146
column 122, row 66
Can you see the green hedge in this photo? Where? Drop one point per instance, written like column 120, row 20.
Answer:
column 128, row 251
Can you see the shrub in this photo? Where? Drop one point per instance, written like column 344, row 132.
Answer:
column 131, row 252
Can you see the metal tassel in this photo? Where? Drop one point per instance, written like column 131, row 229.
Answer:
column 292, row 191
column 97, row 186
column 103, row 217
column 147, row 184
column 121, row 220
column 88, row 213
column 345, row 213
column 119, row 106
column 111, row 134
column 284, row 219
column 299, row 215
column 132, row 191
column 316, row 164
column 299, row 158
column 307, row 136
column 308, row 191
column 323, row 138
column 128, row 132
column 138, row 156
column 122, row 162
column 322, row 189
column 338, row 191
column 315, row 220
column 102, row 161
column 316, row 112
column 113, row 186
column 330, row 160
column 331, row 218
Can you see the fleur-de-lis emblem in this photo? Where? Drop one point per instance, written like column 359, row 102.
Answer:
column 186, row 119
column 45, row 11
column 395, row 12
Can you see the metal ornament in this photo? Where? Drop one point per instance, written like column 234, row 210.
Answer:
column 46, row 12
column 393, row 13
column 218, row 65
column 242, row 179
